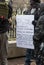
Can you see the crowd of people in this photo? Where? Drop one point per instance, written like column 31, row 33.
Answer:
column 36, row 9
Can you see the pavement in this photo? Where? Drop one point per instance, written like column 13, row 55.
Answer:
column 18, row 61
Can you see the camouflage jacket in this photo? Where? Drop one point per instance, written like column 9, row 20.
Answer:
column 39, row 29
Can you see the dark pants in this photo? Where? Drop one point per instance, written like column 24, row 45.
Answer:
column 29, row 56
column 3, row 49
column 38, row 53
column 40, row 58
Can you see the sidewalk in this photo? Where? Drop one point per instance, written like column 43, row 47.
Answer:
column 18, row 61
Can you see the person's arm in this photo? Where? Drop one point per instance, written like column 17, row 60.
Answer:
column 39, row 29
column 10, row 12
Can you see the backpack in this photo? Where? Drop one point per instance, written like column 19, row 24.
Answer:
column 4, row 8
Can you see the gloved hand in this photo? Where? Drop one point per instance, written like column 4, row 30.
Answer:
column 34, row 23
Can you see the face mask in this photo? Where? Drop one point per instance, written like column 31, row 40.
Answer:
column 33, row 10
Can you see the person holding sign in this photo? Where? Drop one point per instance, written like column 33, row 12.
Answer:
column 33, row 10
column 38, row 37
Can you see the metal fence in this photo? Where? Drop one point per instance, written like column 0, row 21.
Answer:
column 12, row 31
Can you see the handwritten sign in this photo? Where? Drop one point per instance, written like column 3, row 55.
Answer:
column 24, row 31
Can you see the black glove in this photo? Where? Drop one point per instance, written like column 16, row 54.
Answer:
column 34, row 23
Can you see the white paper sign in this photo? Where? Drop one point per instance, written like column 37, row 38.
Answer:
column 24, row 31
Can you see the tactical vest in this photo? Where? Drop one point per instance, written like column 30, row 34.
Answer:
column 4, row 9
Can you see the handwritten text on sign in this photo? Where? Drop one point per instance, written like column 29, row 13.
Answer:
column 24, row 31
